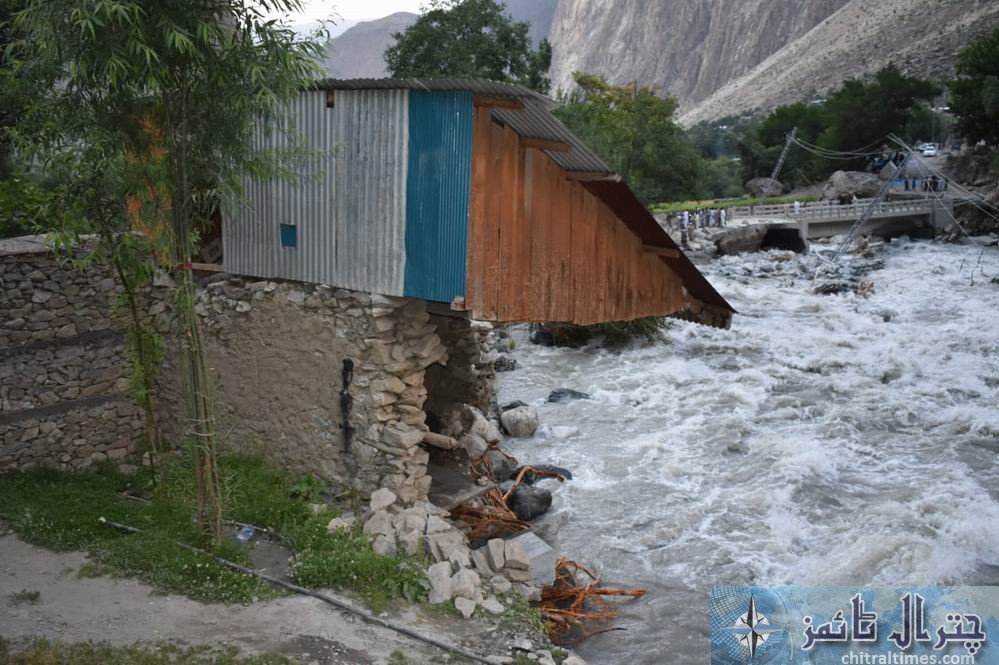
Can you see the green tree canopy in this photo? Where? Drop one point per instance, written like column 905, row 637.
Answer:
column 974, row 95
column 162, row 99
column 859, row 115
column 473, row 39
column 633, row 129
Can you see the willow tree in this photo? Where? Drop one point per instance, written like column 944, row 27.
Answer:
column 183, row 86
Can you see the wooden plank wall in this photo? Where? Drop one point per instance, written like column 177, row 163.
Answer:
column 543, row 248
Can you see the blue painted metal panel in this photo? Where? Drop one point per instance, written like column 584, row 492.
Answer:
column 437, row 194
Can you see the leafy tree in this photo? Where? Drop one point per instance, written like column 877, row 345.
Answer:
column 859, row 115
column 974, row 95
column 173, row 91
column 9, row 102
column 633, row 129
column 473, row 39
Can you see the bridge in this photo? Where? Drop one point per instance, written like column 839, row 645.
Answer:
column 900, row 215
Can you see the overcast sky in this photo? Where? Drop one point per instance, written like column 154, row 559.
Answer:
column 353, row 10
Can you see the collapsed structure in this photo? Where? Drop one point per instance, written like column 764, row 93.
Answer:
column 349, row 318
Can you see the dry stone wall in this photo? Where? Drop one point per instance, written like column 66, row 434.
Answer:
column 277, row 349
column 62, row 384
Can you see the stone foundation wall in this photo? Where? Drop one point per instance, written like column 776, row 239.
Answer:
column 62, row 363
column 277, row 351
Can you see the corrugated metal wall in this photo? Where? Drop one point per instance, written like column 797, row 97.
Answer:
column 349, row 205
column 440, row 156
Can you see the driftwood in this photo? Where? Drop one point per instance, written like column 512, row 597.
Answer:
column 570, row 603
column 440, row 441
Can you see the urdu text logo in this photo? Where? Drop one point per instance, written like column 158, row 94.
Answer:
column 755, row 625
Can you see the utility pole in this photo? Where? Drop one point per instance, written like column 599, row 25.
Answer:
column 783, row 155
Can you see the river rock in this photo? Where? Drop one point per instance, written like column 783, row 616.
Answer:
column 543, row 337
column 465, row 583
column 505, row 364
column 528, row 502
column 511, row 405
column 566, row 395
column 493, row 606
column 501, row 465
column 475, row 446
column 521, row 421
column 500, row 584
column 573, row 660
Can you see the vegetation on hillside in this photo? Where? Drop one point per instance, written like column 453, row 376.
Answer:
column 855, row 118
column 470, row 39
column 44, row 652
column 975, row 92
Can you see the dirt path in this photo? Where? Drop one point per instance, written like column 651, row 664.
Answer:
column 124, row 611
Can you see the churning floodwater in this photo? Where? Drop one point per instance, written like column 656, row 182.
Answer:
column 824, row 439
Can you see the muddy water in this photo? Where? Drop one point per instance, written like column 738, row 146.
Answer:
column 821, row 440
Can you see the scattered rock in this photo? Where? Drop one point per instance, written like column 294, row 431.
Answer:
column 501, row 465
column 516, row 556
column 764, row 187
column 521, row 421
column 528, row 502
column 338, row 523
column 512, row 405
column 500, row 584
column 441, row 590
column 850, row 184
column 382, row 498
column 379, row 523
column 384, row 545
column 566, row 395
column 573, row 660
column 543, row 337
column 493, row 606
column 465, row 606
column 465, row 583
column 505, row 364
column 495, row 548
column 475, row 446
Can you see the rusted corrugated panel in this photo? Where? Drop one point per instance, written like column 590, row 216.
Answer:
column 348, row 204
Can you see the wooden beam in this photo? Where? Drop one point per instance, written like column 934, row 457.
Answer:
column 665, row 252
column 545, row 144
column 499, row 103
column 207, row 267
column 589, row 176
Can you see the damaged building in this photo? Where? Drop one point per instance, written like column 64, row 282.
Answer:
column 349, row 322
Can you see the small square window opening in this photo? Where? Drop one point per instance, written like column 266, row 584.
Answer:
column 289, row 235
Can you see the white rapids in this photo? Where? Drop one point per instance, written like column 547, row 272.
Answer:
column 824, row 439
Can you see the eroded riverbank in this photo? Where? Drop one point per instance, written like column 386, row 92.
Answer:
column 824, row 439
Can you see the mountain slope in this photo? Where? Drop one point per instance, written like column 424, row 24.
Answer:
column 921, row 36
column 685, row 48
column 359, row 52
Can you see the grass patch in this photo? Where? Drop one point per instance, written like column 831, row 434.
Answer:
column 43, row 652
column 60, row 511
column 680, row 206
column 521, row 614
column 25, row 596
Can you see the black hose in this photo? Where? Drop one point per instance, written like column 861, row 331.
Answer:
column 367, row 616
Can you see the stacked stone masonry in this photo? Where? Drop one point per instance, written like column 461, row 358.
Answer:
column 62, row 364
column 277, row 350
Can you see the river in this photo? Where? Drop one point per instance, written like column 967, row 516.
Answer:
column 824, row 439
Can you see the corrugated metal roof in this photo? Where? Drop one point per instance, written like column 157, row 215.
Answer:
column 534, row 121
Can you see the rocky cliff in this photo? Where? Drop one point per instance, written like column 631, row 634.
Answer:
column 685, row 48
column 921, row 36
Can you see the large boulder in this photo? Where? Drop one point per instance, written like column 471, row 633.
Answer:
column 851, row 183
column 765, row 187
column 521, row 421
column 528, row 502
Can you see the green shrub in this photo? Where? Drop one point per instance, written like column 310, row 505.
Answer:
column 21, row 203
